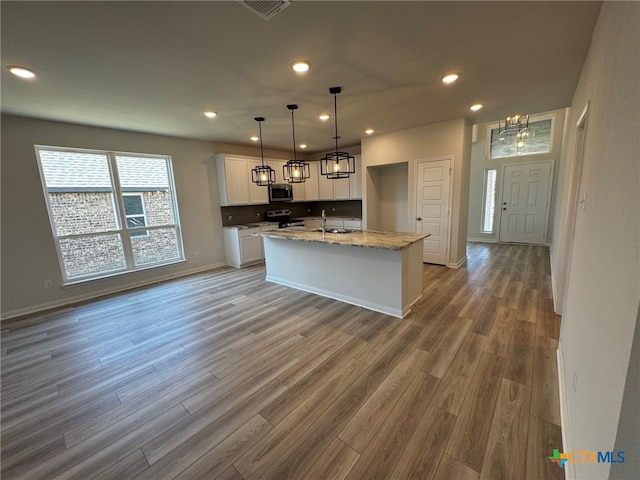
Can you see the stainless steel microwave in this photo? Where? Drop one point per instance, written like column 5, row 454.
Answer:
column 280, row 192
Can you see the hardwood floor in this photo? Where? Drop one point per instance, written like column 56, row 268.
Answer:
column 225, row 376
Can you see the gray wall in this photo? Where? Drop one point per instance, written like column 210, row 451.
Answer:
column 629, row 423
column 444, row 139
column 603, row 291
column 28, row 252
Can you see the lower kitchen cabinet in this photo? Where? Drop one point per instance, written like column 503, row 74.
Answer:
column 242, row 247
column 333, row 222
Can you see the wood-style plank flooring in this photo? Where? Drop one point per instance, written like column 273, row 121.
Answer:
column 225, row 376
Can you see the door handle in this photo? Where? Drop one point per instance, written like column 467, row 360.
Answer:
column 504, row 208
column 419, row 218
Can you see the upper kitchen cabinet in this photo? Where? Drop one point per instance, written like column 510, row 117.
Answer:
column 277, row 165
column 341, row 188
column 234, row 181
column 355, row 181
column 330, row 189
column 307, row 191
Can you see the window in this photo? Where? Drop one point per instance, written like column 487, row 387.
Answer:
column 110, row 212
column 536, row 139
column 134, row 213
column 489, row 200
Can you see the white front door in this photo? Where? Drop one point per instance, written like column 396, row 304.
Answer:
column 526, row 192
column 433, row 185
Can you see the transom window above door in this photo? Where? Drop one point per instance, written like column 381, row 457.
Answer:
column 534, row 140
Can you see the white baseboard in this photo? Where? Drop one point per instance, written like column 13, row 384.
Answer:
column 567, row 444
column 482, row 240
column 462, row 261
column 69, row 301
column 358, row 302
column 557, row 307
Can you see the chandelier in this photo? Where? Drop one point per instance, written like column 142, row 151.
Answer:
column 295, row 171
column 517, row 125
column 262, row 175
column 337, row 164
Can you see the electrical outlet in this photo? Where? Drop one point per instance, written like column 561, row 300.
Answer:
column 195, row 254
column 48, row 284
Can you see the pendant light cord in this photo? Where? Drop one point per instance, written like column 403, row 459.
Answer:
column 261, row 149
column 335, row 120
column 293, row 129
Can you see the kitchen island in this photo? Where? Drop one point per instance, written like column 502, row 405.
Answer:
column 381, row 271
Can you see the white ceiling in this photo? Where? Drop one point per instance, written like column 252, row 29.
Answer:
column 156, row 66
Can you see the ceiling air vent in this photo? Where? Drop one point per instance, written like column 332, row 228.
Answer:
column 267, row 9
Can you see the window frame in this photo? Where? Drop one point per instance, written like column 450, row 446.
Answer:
column 137, row 232
column 483, row 213
column 532, row 119
column 120, row 216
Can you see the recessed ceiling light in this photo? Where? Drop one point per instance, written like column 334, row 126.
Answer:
column 303, row 145
column 254, row 138
column 476, row 107
column 450, row 78
column 301, row 66
column 22, row 72
column 369, row 131
column 324, row 117
column 210, row 114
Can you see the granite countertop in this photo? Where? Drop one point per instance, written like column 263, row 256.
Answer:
column 356, row 238
column 332, row 217
column 250, row 225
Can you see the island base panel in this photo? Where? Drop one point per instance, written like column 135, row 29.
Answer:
column 386, row 281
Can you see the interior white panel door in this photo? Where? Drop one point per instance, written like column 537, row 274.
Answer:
column 432, row 209
column 525, row 203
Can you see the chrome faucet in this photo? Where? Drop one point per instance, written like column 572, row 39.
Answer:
column 323, row 222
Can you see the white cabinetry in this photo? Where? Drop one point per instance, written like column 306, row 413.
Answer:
column 348, row 224
column 307, row 191
column 236, row 188
column 341, row 188
column 277, row 166
column 355, row 181
column 333, row 223
column 353, row 224
column 242, row 247
column 234, row 181
column 314, row 223
column 251, row 250
column 333, row 189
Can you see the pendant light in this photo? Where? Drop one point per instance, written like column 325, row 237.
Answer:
column 262, row 175
column 337, row 164
column 295, row 171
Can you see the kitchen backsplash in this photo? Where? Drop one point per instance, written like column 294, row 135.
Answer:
column 258, row 213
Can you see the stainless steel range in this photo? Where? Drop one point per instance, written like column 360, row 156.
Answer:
column 283, row 217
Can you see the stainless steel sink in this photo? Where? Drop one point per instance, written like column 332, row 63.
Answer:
column 335, row 230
